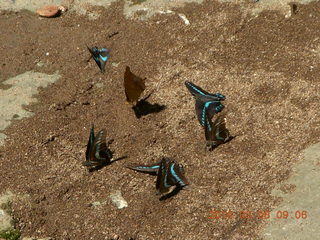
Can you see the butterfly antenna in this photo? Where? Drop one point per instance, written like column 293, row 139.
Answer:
column 120, row 158
column 90, row 53
column 145, row 98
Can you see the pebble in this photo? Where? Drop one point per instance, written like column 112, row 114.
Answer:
column 50, row 11
column 118, row 200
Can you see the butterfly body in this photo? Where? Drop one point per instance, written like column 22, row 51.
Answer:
column 206, row 103
column 133, row 86
column 216, row 132
column 168, row 174
column 97, row 153
column 100, row 56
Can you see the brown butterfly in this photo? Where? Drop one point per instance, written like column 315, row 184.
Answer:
column 133, row 86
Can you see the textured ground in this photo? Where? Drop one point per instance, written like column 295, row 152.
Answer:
column 267, row 66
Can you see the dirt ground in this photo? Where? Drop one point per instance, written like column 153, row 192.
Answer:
column 267, row 66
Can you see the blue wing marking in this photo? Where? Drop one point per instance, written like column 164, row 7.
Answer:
column 165, row 180
column 152, row 167
column 208, row 125
column 104, row 58
column 175, row 175
column 196, row 89
column 219, row 96
column 206, row 106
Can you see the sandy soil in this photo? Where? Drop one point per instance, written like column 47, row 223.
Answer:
column 267, row 66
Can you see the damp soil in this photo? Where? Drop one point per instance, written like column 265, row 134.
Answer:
column 266, row 66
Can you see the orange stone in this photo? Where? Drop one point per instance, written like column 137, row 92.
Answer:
column 48, row 11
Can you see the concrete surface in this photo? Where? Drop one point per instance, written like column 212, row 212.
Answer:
column 305, row 181
column 5, row 218
column 84, row 6
column 150, row 7
column 19, row 93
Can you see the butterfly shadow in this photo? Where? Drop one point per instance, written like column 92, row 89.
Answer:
column 210, row 147
column 143, row 107
column 102, row 165
column 149, row 173
column 171, row 194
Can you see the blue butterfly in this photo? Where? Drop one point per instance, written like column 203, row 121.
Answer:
column 206, row 103
column 168, row 174
column 216, row 132
column 97, row 153
column 100, row 56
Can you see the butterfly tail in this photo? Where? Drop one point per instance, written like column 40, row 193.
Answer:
column 146, row 169
column 195, row 90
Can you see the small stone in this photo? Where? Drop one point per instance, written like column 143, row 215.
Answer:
column 63, row 9
column 99, row 85
column 115, row 237
column 48, row 11
column 118, row 200
column 184, row 18
column 40, row 64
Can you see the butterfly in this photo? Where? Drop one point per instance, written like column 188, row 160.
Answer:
column 168, row 174
column 97, row 153
column 100, row 56
column 206, row 103
column 216, row 133
column 133, row 86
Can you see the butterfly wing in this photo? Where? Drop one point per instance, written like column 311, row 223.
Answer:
column 133, row 86
column 207, row 109
column 162, row 184
column 103, row 58
column 195, row 90
column 213, row 107
column 100, row 154
column 152, row 169
column 94, row 53
column 198, row 92
column 216, row 133
column 100, row 56
column 90, row 144
column 176, row 174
